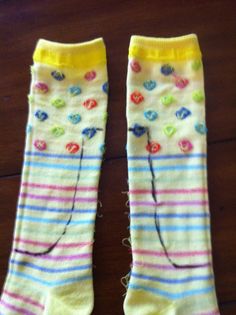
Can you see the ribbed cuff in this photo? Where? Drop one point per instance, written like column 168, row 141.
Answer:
column 81, row 55
column 165, row 49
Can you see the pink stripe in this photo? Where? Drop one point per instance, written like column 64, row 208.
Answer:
column 170, row 203
column 60, row 257
column 62, row 199
column 16, row 309
column 58, row 187
column 23, row 298
column 169, row 191
column 215, row 312
column 46, row 244
column 174, row 254
column 159, row 266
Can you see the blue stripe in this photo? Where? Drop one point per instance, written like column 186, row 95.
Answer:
column 62, row 166
column 50, row 270
column 172, row 281
column 170, row 215
column 59, row 210
column 169, row 295
column 57, row 221
column 169, row 156
column 47, row 283
column 170, row 228
column 63, row 156
column 168, row 168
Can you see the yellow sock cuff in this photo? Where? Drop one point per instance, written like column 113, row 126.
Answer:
column 81, row 55
column 165, row 49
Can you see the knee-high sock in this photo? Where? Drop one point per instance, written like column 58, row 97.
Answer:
column 50, row 268
column 170, row 225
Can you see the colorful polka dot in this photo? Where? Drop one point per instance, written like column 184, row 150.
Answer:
column 89, row 132
column 153, row 147
column 196, row 65
column 91, row 75
column 72, row 147
column 58, row 102
column 198, row 96
column 40, row 145
column 41, row 87
column 32, row 69
column 105, row 87
column 58, row 131
column 201, row 128
column 90, row 103
column 136, row 97
column 150, row 115
column 138, row 130
column 29, row 128
column 167, row 69
column 74, row 90
column 74, row 118
column 167, row 99
column 182, row 113
column 102, row 148
column 135, row 66
column 150, row 85
column 41, row 115
column 169, row 130
column 185, row 145
column 58, row 75
column 105, row 116
column 30, row 99
column 180, row 82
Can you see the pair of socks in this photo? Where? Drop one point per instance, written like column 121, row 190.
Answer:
column 50, row 267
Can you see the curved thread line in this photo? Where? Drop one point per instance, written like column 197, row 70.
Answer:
column 157, row 218
column 50, row 248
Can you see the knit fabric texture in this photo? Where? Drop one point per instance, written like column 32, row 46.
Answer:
column 50, row 267
column 171, row 271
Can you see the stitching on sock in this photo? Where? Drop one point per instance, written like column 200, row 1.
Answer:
column 49, row 249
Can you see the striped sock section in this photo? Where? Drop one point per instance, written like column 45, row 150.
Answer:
column 167, row 166
column 50, row 268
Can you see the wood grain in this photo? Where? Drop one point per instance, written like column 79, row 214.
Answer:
column 23, row 22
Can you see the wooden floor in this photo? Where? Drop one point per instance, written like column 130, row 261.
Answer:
column 23, row 22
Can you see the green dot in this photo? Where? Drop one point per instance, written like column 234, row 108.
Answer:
column 105, row 116
column 196, row 65
column 58, row 131
column 198, row 96
column 30, row 99
column 169, row 130
column 167, row 100
column 32, row 69
column 58, row 102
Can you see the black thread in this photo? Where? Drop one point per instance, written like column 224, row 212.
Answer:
column 48, row 250
column 157, row 219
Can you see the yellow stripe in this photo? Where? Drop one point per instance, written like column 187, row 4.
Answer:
column 165, row 49
column 83, row 55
